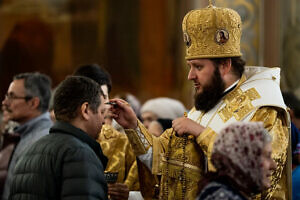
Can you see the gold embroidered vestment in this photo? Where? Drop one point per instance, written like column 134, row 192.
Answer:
column 182, row 161
column 121, row 158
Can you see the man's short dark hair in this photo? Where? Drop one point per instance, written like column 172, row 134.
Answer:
column 237, row 63
column 37, row 85
column 95, row 72
column 72, row 93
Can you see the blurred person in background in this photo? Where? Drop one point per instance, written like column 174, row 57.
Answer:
column 68, row 163
column 8, row 142
column 296, row 173
column 115, row 145
column 6, row 125
column 293, row 103
column 26, row 102
column 158, row 126
column 242, row 159
column 161, row 107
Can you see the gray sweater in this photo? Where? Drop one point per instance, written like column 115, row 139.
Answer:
column 29, row 132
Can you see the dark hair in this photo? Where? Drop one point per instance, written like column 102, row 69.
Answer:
column 237, row 62
column 293, row 102
column 95, row 72
column 52, row 99
column 72, row 93
column 165, row 123
column 37, row 85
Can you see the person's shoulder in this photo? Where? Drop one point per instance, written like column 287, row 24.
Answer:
column 296, row 172
column 38, row 129
column 57, row 142
column 68, row 141
column 211, row 188
column 262, row 87
column 76, row 151
column 296, row 182
column 47, row 147
column 53, row 141
column 217, row 190
column 253, row 73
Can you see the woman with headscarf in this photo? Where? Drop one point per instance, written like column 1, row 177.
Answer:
column 158, row 126
column 242, row 158
column 161, row 108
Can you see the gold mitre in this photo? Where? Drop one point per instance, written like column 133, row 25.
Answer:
column 212, row 32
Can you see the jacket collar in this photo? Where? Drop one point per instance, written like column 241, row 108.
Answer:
column 67, row 128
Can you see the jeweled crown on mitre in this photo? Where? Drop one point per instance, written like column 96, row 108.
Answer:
column 212, row 32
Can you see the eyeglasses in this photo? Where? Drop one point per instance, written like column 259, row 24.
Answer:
column 11, row 96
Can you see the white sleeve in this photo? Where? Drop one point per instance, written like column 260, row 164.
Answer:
column 147, row 158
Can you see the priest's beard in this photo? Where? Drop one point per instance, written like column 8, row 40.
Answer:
column 211, row 93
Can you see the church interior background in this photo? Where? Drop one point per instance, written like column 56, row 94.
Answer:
column 138, row 41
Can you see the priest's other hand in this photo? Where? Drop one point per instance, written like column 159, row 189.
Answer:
column 184, row 125
column 118, row 191
column 123, row 114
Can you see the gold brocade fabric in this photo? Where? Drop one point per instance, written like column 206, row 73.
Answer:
column 238, row 104
column 177, row 182
column 206, row 140
column 182, row 167
column 117, row 149
column 149, row 183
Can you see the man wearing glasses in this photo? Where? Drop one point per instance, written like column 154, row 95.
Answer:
column 26, row 103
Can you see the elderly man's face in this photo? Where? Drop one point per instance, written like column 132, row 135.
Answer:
column 16, row 105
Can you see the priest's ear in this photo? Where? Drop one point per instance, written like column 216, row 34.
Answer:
column 225, row 67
